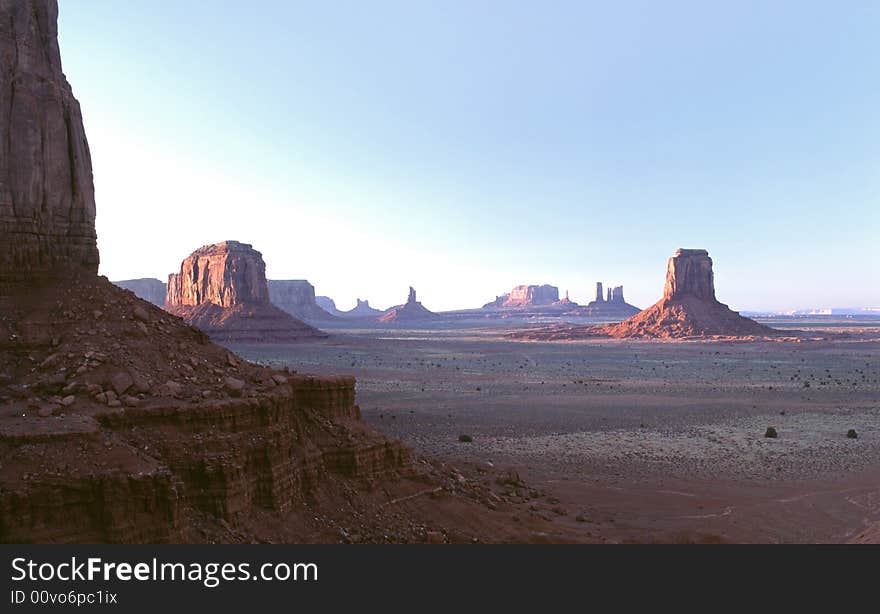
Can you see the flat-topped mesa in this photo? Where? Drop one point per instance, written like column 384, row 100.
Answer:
column 689, row 273
column 47, row 194
column 297, row 297
column 526, row 296
column 222, row 290
column 225, row 274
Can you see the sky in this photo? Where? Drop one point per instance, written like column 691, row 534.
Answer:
column 464, row 147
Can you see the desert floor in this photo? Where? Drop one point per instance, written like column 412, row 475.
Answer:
column 636, row 440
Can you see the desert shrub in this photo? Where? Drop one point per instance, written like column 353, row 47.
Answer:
column 771, row 433
column 851, row 434
column 465, row 438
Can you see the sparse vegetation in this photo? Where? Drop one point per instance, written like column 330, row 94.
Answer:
column 851, row 434
column 465, row 438
column 771, row 433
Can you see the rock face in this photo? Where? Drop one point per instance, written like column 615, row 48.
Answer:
column 149, row 289
column 47, row 195
column 225, row 274
column 689, row 273
column 411, row 311
column 297, row 297
column 222, row 290
column 689, row 307
column 526, row 296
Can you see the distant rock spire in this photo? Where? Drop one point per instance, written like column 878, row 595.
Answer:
column 599, row 293
column 412, row 295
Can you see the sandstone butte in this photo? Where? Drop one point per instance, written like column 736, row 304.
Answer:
column 688, row 309
column 411, row 311
column 297, row 297
column 222, row 290
column 121, row 423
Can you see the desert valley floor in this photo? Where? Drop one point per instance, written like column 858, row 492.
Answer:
column 635, row 440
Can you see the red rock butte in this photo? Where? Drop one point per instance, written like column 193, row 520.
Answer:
column 222, row 290
column 688, row 307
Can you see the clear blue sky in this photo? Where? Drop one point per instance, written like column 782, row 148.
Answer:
column 465, row 147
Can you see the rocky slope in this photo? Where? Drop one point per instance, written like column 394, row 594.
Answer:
column 47, row 195
column 222, row 290
column 149, row 289
column 526, row 296
column 411, row 311
column 297, row 297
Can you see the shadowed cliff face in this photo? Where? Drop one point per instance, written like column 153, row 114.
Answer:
column 47, row 194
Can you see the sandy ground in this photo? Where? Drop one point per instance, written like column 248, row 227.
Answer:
column 639, row 440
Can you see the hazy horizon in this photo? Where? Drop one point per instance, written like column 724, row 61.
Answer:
column 466, row 148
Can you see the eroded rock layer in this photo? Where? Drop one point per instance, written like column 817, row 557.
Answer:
column 47, row 194
column 120, row 423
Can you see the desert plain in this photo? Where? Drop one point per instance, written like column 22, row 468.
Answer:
column 633, row 440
